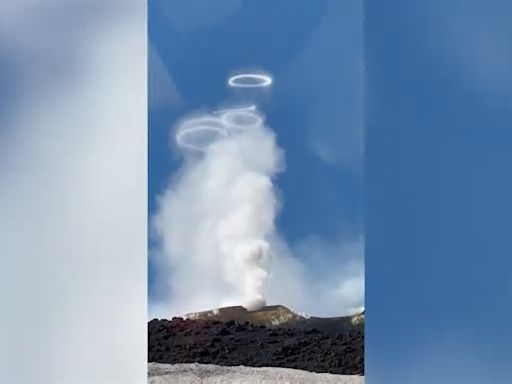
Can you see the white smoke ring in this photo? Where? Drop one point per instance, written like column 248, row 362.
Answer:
column 240, row 119
column 194, row 127
column 181, row 136
column 250, row 80
column 251, row 107
column 201, row 120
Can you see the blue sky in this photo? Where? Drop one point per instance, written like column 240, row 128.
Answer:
column 438, row 166
column 315, row 105
column 438, row 160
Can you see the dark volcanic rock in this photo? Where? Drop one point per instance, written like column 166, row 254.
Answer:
column 233, row 343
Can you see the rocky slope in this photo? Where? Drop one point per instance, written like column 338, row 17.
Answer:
column 258, row 340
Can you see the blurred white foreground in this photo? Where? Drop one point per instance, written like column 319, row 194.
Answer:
column 213, row 374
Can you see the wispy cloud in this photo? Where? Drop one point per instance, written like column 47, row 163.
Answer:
column 331, row 77
column 162, row 91
column 476, row 48
column 336, row 272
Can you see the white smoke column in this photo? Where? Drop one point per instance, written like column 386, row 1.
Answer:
column 216, row 219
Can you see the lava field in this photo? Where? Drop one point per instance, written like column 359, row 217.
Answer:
column 231, row 343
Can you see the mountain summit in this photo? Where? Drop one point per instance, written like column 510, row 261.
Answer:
column 281, row 316
column 268, row 316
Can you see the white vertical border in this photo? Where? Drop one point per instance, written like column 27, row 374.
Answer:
column 73, row 192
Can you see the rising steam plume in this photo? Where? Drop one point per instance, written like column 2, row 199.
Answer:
column 217, row 216
column 216, row 220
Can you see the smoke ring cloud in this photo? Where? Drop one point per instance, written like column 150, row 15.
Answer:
column 241, row 119
column 250, row 80
column 250, row 107
column 205, row 120
column 193, row 136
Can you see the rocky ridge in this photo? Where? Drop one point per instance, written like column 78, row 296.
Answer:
column 294, row 343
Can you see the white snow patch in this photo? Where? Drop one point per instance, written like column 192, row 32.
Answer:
column 214, row 374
